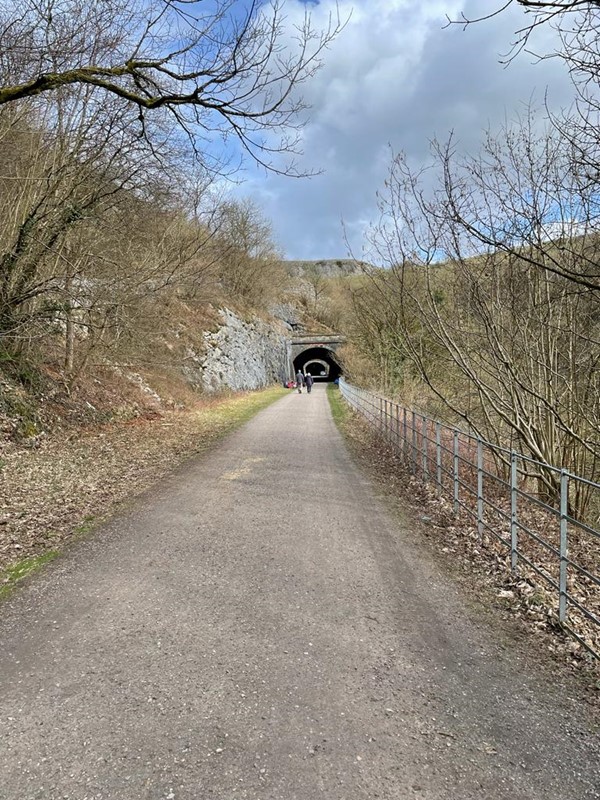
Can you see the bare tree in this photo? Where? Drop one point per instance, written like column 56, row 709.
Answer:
column 577, row 25
column 491, row 292
column 54, row 179
column 574, row 20
column 250, row 265
column 104, row 202
column 126, row 283
column 314, row 283
column 104, row 239
column 216, row 70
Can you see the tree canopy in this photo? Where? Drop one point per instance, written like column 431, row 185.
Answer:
column 217, row 69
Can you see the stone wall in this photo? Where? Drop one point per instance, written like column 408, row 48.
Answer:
column 241, row 355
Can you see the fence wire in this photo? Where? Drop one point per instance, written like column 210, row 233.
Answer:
column 523, row 505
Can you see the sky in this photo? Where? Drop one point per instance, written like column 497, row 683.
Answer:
column 393, row 79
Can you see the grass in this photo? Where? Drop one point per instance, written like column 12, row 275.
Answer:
column 11, row 576
column 216, row 421
column 88, row 524
column 339, row 409
column 236, row 410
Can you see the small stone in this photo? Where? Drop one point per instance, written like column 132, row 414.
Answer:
column 506, row 593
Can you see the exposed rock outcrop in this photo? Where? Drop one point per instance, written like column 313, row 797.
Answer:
column 240, row 355
column 326, row 268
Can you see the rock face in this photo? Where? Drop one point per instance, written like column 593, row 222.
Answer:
column 242, row 355
column 328, row 268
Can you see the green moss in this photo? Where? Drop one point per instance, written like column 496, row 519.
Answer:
column 15, row 403
column 28, row 428
column 11, row 576
column 88, row 524
column 22, row 369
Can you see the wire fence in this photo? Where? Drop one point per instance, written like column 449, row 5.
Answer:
column 522, row 506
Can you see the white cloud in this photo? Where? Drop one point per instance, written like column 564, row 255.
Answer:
column 395, row 76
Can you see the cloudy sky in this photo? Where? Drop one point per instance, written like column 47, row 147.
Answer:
column 394, row 78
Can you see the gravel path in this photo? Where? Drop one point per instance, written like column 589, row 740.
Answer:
column 260, row 627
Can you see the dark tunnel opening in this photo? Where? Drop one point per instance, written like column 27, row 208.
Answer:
column 320, row 362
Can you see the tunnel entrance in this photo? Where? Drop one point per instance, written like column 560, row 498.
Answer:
column 320, row 362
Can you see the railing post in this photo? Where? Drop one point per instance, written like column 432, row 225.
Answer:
column 564, row 545
column 480, row 489
column 424, row 448
column 396, row 426
column 385, row 413
column 514, row 536
column 455, row 472
column 414, row 442
column 438, row 455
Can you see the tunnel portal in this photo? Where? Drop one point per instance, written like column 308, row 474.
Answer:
column 320, row 362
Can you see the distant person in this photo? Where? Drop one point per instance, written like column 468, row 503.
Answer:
column 299, row 381
column 309, row 380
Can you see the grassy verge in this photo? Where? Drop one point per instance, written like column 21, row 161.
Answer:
column 9, row 578
column 339, row 409
column 225, row 416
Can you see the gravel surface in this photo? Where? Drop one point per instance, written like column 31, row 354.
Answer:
column 260, row 627
column 70, row 479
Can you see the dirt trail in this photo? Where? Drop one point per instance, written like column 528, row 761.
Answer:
column 260, row 627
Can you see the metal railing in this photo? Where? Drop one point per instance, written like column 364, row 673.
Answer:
column 520, row 504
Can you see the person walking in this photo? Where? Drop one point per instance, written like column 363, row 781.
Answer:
column 299, row 381
column 308, row 380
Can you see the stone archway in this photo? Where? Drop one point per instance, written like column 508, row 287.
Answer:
column 318, row 368
column 322, row 356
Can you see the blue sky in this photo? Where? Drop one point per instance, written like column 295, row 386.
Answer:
column 394, row 78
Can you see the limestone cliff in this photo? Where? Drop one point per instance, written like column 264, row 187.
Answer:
column 240, row 355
